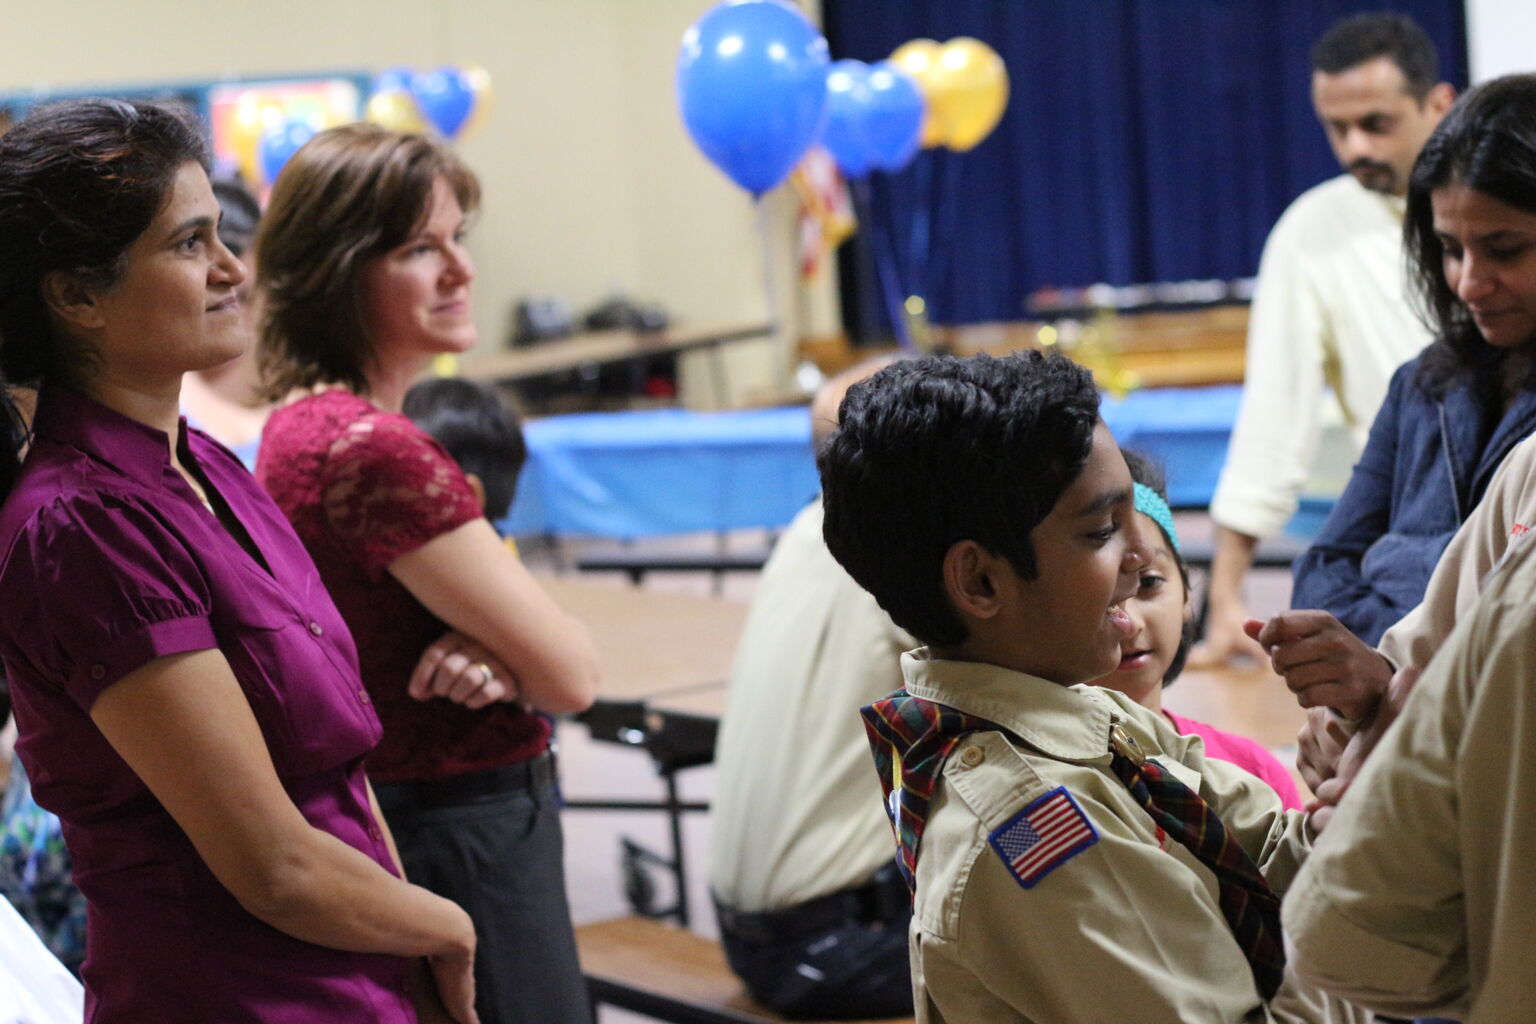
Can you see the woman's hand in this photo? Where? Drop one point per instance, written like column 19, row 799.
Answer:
column 1360, row 745
column 1319, row 745
column 424, row 998
column 457, row 668
column 1323, row 663
column 454, row 976
column 469, row 580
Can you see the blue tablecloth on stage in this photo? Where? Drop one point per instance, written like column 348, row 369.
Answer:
column 636, row 474
column 1183, row 429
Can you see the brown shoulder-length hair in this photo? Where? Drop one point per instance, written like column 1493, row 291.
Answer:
column 348, row 195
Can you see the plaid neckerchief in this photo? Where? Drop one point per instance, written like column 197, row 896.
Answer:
column 911, row 738
column 1251, row 908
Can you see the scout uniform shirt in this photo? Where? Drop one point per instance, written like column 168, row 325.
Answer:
column 1419, row 898
column 1122, row 927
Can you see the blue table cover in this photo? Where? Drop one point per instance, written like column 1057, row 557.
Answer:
column 638, row 474
column 1183, row 429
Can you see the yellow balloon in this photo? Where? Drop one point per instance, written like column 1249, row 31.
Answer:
column 970, row 92
column 479, row 81
column 920, row 59
column 252, row 116
column 396, row 111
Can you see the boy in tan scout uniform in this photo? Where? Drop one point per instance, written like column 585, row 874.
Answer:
column 1044, row 824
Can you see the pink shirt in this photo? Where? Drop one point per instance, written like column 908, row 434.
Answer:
column 1243, row 752
column 108, row 560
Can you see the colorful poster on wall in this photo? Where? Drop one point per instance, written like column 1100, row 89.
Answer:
column 239, row 114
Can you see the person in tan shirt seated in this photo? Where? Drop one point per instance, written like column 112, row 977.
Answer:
column 813, row 915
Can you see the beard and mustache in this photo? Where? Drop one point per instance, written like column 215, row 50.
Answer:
column 1374, row 175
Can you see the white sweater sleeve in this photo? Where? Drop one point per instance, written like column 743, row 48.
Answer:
column 1279, row 423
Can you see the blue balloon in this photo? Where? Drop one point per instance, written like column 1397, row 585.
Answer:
column 751, row 86
column 874, row 117
column 445, row 98
column 393, row 80
column 845, row 133
column 893, row 124
column 279, row 143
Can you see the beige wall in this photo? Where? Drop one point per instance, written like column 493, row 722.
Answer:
column 591, row 182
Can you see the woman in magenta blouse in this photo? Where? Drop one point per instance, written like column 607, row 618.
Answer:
column 364, row 277
column 188, row 698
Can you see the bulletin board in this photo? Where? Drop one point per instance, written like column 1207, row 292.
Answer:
column 234, row 111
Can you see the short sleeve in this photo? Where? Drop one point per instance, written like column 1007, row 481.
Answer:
column 387, row 488
column 96, row 587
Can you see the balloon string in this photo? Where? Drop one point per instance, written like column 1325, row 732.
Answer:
column 949, row 182
column 892, row 224
column 922, row 221
column 884, row 256
column 770, row 286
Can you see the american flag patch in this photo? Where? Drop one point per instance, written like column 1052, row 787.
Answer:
column 1044, row 835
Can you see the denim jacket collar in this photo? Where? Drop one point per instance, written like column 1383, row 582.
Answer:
column 1461, row 423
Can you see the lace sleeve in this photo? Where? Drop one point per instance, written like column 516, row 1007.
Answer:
column 387, row 489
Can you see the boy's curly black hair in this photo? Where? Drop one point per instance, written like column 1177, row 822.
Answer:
column 937, row 450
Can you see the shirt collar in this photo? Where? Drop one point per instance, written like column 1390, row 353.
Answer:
column 1070, row 723
column 69, row 418
column 1397, row 205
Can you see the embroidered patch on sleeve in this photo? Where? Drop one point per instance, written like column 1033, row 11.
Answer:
column 1043, row 836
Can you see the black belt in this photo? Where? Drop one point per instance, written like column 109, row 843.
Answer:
column 880, row 899
column 537, row 772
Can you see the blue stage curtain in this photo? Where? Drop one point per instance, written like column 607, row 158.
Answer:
column 1144, row 141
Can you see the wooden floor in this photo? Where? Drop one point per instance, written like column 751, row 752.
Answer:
column 1252, row 702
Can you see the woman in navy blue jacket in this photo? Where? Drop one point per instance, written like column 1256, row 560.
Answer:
column 1453, row 413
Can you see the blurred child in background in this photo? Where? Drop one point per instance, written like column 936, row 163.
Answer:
column 480, row 430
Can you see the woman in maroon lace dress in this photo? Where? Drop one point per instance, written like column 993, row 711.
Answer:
column 365, row 277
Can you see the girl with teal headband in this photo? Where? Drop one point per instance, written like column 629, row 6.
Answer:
column 1154, row 655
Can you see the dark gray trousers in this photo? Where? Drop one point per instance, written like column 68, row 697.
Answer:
column 499, row 856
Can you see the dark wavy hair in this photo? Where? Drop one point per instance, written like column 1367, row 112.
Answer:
column 79, row 181
column 349, row 194
column 1488, row 143
column 937, row 450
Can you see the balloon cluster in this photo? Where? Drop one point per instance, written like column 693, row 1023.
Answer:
column 451, row 100
column 756, row 90
column 265, row 133
column 965, row 84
